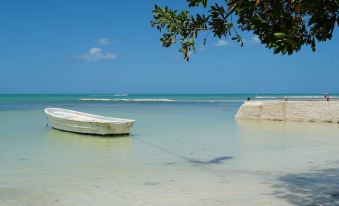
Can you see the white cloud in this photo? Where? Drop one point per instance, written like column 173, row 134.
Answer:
column 103, row 41
column 96, row 54
column 221, row 43
column 255, row 39
column 251, row 40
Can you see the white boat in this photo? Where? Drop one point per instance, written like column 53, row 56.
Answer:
column 79, row 122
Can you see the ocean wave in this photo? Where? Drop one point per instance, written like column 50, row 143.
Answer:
column 267, row 97
column 158, row 100
column 120, row 95
column 212, row 101
column 310, row 97
column 127, row 100
column 295, row 97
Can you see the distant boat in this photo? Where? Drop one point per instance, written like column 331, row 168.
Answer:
column 79, row 122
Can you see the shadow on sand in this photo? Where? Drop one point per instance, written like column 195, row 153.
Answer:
column 217, row 160
column 317, row 188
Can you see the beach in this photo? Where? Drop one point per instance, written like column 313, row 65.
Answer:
column 183, row 150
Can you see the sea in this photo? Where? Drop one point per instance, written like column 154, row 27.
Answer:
column 184, row 150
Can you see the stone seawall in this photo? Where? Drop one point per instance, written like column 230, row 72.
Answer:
column 302, row 111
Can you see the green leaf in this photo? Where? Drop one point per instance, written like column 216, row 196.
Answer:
column 279, row 35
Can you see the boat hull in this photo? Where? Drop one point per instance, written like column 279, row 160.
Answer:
column 84, row 127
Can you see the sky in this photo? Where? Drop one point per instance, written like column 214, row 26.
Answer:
column 70, row 46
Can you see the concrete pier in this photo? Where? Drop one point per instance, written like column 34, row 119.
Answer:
column 280, row 110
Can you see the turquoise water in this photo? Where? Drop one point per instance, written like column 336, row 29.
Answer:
column 183, row 150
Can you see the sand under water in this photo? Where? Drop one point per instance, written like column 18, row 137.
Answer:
column 182, row 153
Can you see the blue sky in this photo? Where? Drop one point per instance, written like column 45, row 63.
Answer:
column 109, row 47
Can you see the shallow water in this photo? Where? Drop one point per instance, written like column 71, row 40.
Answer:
column 184, row 153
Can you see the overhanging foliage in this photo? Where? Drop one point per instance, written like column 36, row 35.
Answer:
column 281, row 25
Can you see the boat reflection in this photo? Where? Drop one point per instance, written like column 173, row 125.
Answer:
column 92, row 142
